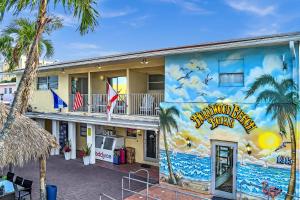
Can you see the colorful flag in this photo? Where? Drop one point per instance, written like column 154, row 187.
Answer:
column 78, row 101
column 112, row 97
column 58, row 102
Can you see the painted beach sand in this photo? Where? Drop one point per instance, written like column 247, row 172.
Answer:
column 198, row 169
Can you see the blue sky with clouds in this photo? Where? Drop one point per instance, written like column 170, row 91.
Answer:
column 134, row 25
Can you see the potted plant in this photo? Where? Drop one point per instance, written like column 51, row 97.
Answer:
column 67, row 150
column 85, row 154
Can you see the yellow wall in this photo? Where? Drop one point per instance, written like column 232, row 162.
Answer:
column 42, row 100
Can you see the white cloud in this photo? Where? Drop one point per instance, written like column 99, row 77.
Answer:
column 137, row 21
column 265, row 29
column 82, row 46
column 271, row 63
column 251, row 7
column 188, row 6
column 117, row 13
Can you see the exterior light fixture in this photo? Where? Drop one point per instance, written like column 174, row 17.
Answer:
column 101, row 77
column 63, row 70
column 189, row 143
column 144, row 61
column 249, row 149
column 99, row 67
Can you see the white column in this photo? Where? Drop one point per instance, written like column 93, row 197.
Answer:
column 72, row 138
column 90, row 141
column 55, row 133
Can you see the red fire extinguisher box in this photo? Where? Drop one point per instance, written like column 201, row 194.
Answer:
column 122, row 156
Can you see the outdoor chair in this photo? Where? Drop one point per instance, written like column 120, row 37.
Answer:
column 19, row 180
column 10, row 176
column 147, row 104
column 27, row 184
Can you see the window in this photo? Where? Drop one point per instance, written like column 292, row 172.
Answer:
column 47, row 82
column 10, row 90
column 5, row 90
column 156, row 82
column 118, row 84
column 231, row 73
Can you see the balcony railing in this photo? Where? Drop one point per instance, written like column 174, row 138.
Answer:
column 146, row 104
column 83, row 108
column 99, row 104
column 139, row 104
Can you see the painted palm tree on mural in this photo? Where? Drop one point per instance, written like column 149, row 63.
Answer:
column 167, row 124
column 282, row 99
column 86, row 14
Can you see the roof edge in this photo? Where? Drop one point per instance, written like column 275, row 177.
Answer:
column 209, row 46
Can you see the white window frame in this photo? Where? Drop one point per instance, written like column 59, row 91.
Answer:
column 148, row 82
column 48, row 83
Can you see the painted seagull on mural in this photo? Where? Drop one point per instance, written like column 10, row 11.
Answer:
column 207, row 79
column 283, row 145
column 202, row 94
column 221, row 98
column 186, row 76
column 179, row 87
column 183, row 69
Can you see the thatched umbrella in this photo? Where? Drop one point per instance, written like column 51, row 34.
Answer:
column 26, row 141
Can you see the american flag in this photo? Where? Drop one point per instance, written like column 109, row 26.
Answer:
column 78, row 101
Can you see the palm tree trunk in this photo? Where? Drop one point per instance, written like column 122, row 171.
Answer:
column 43, row 178
column 171, row 174
column 292, row 183
column 22, row 95
column 29, row 72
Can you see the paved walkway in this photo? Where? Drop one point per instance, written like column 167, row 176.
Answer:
column 75, row 181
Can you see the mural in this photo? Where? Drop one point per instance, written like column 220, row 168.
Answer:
column 246, row 96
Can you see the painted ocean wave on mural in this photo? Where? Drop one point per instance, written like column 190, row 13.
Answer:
column 195, row 168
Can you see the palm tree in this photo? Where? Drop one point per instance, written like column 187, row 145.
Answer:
column 16, row 41
column 167, row 123
column 283, row 104
column 83, row 10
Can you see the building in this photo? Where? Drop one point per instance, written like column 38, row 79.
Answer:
column 7, row 91
column 226, row 144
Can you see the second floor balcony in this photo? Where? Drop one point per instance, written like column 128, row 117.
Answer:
column 143, row 104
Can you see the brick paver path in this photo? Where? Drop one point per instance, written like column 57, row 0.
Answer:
column 74, row 181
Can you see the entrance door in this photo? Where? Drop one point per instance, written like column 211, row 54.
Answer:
column 150, row 146
column 224, row 156
column 63, row 134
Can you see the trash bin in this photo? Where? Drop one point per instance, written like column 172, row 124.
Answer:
column 51, row 192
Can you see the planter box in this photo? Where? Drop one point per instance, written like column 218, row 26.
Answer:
column 86, row 160
column 67, row 155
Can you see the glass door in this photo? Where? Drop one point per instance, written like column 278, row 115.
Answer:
column 150, row 146
column 224, row 169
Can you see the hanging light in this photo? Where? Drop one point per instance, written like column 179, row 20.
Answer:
column 249, row 149
column 63, row 70
column 144, row 61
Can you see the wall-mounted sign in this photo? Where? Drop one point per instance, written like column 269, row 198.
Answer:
column 284, row 160
column 223, row 114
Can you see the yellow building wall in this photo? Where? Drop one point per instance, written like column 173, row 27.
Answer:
column 42, row 100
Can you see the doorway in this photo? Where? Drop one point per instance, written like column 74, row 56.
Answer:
column 224, row 161
column 151, row 146
column 63, row 134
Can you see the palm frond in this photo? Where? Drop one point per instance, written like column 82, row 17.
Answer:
column 268, row 96
column 49, row 49
column 264, row 80
column 288, row 85
column 54, row 24
column 85, row 11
